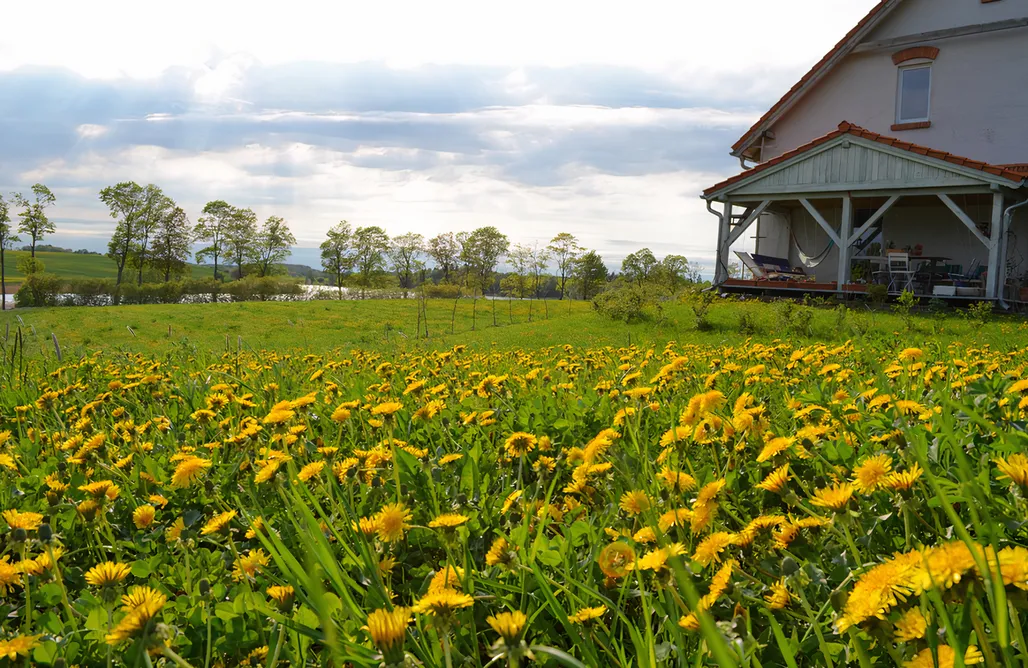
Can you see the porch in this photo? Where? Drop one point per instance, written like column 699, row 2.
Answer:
column 853, row 209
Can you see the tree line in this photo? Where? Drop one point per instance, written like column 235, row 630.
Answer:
column 153, row 232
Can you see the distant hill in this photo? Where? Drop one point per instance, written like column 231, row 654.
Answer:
column 78, row 265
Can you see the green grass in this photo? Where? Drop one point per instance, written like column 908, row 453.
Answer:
column 75, row 265
column 391, row 324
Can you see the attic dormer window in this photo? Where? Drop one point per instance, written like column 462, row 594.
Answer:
column 913, row 99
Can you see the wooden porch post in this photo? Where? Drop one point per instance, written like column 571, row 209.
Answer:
column 844, row 237
column 723, row 245
column 994, row 286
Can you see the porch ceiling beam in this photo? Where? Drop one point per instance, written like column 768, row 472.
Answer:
column 882, row 210
column 782, row 195
column 816, row 215
column 965, row 219
column 742, row 226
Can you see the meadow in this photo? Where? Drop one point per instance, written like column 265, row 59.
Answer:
column 316, row 484
column 77, row 265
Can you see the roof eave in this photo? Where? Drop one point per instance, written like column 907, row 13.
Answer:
column 814, row 76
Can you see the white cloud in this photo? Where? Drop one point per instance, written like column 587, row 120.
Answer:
column 89, row 130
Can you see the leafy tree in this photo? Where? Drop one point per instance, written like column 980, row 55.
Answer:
column 481, row 252
column 405, row 252
column 638, row 267
column 444, row 250
column 171, row 240
column 33, row 217
column 7, row 240
column 565, row 250
column 156, row 205
column 272, row 245
column 240, row 236
column 540, row 260
column 589, row 274
column 337, row 252
column 125, row 201
column 212, row 229
column 369, row 245
column 521, row 258
column 673, row 271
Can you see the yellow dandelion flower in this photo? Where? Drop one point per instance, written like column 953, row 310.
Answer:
column 143, row 516
column 519, row 444
column 587, row 615
column 776, row 480
column 443, row 603
column 835, row 497
column 107, row 574
column 219, row 523
column 872, row 473
column 391, row 522
column 635, row 502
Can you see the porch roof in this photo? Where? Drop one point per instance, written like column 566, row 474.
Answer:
column 828, row 164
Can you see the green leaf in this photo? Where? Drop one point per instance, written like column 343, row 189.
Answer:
column 45, row 653
column 141, row 569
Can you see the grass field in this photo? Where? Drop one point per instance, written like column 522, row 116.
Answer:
column 75, row 265
column 390, row 325
column 310, row 484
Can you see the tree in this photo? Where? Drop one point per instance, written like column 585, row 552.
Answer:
column 521, row 258
column 481, row 252
column 444, row 250
column 589, row 274
column 565, row 250
column 212, row 229
column 7, row 239
column 156, row 205
column 638, row 267
column 33, row 218
column 171, row 240
column 240, row 237
column 337, row 252
column 673, row 271
column 540, row 260
column 369, row 245
column 405, row 253
column 125, row 201
column 272, row 245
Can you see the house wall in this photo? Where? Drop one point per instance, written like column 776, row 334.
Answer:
column 979, row 99
column 917, row 16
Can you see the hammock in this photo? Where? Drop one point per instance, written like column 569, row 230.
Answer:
column 811, row 261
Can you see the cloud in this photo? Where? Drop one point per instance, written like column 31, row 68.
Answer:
column 589, row 150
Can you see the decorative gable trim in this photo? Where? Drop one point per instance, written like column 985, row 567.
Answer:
column 915, row 53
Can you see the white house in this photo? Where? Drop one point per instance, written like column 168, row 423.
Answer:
column 911, row 134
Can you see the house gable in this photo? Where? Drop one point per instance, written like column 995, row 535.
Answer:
column 853, row 159
column 914, row 17
column 857, row 79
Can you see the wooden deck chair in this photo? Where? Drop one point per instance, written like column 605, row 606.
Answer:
column 751, row 264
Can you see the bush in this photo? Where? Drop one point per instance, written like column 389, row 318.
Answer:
column 39, row 289
column 441, row 290
column 623, row 303
column 877, row 293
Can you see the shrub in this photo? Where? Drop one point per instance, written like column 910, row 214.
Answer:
column 877, row 294
column 441, row 290
column 623, row 303
column 701, row 303
column 39, row 289
column 979, row 313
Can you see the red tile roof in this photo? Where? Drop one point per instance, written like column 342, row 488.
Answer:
column 1016, row 173
column 814, row 71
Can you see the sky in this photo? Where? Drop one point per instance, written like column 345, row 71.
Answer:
column 602, row 119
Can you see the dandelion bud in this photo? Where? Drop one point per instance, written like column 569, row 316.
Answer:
column 789, row 566
column 45, row 533
column 205, row 587
column 62, row 466
column 19, row 535
column 60, row 662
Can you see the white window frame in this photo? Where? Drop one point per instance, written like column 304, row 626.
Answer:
column 899, row 93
